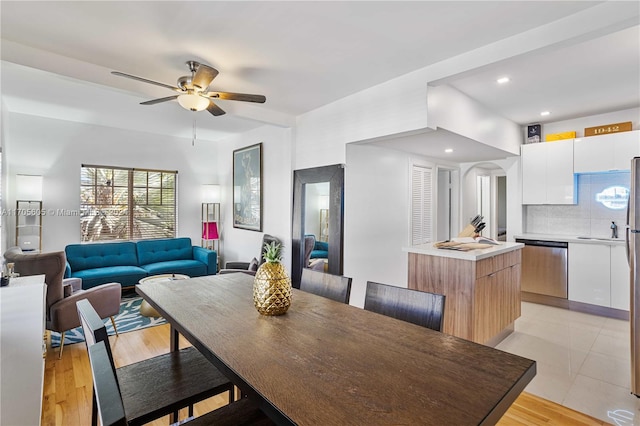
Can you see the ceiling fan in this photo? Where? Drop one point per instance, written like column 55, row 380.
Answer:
column 193, row 90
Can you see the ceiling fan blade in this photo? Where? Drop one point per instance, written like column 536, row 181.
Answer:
column 204, row 76
column 144, row 80
column 237, row 97
column 214, row 109
column 157, row 101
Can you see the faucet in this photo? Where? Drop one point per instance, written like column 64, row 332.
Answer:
column 614, row 230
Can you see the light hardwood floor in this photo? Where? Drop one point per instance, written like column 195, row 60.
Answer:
column 67, row 386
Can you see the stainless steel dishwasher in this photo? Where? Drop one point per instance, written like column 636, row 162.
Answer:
column 544, row 267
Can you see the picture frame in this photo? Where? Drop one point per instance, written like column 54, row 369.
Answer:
column 247, row 188
column 534, row 133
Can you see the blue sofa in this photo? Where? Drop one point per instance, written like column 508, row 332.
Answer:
column 127, row 262
column 320, row 250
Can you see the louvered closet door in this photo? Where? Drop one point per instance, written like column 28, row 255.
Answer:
column 421, row 201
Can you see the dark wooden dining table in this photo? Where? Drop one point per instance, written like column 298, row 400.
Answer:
column 327, row 363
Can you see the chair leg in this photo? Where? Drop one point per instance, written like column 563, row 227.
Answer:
column 94, row 410
column 61, row 344
column 113, row 322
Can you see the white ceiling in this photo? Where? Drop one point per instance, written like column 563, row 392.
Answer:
column 57, row 57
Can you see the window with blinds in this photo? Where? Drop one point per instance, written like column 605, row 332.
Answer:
column 421, row 204
column 127, row 204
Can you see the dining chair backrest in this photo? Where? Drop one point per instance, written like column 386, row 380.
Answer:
column 93, row 327
column 335, row 287
column 105, row 387
column 417, row 307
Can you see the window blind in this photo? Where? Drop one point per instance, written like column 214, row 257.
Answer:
column 127, row 204
column 421, row 204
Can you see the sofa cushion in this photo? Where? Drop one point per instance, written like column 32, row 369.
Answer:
column 161, row 250
column 192, row 268
column 125, row 275
column 98, row 255
column 321, row 245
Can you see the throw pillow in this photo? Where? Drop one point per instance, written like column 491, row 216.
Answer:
column 253, row 266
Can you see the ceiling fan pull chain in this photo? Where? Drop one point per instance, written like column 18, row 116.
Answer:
column 193, row 140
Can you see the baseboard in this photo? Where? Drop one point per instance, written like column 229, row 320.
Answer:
column 571, row 305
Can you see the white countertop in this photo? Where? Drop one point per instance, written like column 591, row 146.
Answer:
column 478, row 254
column 575, row 239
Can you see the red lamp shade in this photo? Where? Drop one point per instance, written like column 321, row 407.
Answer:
column 210, row 231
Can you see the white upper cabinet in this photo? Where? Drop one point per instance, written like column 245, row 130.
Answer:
column 605, row 153
column 547, row 173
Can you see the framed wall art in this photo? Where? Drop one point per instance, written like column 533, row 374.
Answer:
column 247, row 188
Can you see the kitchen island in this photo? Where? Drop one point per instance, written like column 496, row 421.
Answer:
column 482, row 288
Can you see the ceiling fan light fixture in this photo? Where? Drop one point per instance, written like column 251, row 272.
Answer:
column 193, row 102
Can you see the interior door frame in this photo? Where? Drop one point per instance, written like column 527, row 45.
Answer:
column 333, row 174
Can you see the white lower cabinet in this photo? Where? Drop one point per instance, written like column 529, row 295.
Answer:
column 590, row 273
column 599, row 275
column 620, row 280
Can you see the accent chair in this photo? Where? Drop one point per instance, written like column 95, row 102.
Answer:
column 62, row 294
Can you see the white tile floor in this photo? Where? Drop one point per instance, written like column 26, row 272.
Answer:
column 583, row 361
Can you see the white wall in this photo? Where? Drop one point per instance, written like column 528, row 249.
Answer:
column 56, row 150
column 240, row 244
column 3, row 178
column 376, row 217
column 579, row 124
column 397, row 106
column 452, row 110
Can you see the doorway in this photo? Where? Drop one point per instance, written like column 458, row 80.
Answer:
column 501, row 208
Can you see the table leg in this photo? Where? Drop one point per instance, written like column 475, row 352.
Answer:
column 174, row 344
column 174, row 340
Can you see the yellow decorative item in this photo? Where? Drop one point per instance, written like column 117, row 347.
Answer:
column 272, row 284
column 551, row 137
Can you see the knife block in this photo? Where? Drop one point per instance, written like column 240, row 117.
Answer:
column 468, row 231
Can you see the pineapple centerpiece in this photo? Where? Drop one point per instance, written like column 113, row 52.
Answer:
column 272, row 284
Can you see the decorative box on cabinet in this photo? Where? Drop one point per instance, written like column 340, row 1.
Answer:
column 603, row 153
column 547, row 173
column 21, row 350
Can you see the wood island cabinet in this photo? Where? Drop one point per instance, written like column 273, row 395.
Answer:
column 482, row 294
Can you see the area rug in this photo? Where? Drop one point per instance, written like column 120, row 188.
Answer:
column 128, row 319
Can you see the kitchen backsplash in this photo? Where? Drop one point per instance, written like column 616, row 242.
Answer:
column 588, row 218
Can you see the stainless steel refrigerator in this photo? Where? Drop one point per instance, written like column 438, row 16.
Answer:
column 633, row 255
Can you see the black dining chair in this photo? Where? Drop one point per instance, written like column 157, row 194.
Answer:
column 417, row 307
column 335, row 287
column 157, row 386
column 112, row 412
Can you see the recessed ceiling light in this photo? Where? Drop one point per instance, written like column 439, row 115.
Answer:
column 503, row 80
column 543, row 113
column 448, row 150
